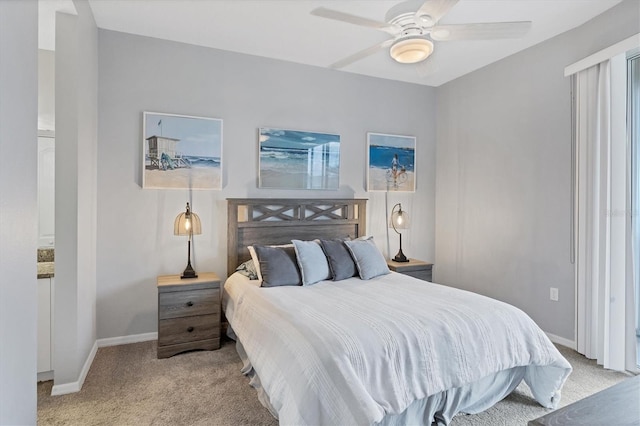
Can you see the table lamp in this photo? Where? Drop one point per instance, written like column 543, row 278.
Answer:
column 187, row 223
column 399, row 220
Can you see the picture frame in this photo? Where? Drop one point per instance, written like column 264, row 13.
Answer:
column 181, row 152
column 295, row 159
column 391, row 162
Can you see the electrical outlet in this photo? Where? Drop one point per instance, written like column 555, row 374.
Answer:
column 553, row 294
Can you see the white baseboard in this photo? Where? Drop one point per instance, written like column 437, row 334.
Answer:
column 66, row 388
column 562, row 341
column 124, row 340
column 100, row 343
column 45, row 376
column 76, row 386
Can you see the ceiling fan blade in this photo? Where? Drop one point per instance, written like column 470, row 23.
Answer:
column 485, row 31
column 361, row 55
column 436, row 9
column 323, row 12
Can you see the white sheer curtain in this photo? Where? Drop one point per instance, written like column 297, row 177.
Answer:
column 633, row 205
column 601, row 196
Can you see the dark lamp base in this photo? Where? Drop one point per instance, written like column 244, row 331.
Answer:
column 189, row 272
column 400, row 257
column 195, row 275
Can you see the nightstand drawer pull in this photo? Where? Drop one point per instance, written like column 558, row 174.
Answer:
column 190, row 329
column 189, row 303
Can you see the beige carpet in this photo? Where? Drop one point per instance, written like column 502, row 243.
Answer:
column 127, row 385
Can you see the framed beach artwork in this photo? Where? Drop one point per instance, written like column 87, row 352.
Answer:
column 293, row 159
column 181, row 152
column 391, row 162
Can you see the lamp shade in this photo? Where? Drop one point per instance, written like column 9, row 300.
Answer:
column 399, row 218
column 187, row 223
column 411, row 50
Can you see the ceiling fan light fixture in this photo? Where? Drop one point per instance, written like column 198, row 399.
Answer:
column 411, row 50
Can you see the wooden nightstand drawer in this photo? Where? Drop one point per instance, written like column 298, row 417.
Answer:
column 188, row 303
column 188, row 329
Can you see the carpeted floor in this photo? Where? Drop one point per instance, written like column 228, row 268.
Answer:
column 128, row 385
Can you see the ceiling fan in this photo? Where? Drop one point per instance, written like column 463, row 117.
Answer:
column 413, row 25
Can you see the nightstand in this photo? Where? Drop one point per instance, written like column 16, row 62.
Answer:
column 188, row 313
column 414, row 267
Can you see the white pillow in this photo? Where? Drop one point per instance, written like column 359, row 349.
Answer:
column 256, row 261
column 312, row 261
column 369, row 260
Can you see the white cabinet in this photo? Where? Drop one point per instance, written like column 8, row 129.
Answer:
column 45, row 313
column 46, row 191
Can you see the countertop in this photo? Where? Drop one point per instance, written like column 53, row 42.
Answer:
column 46, row 265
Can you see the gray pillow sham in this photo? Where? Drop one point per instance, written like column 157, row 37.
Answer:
column 278, row 266
column 256, row 261
column 340, row 261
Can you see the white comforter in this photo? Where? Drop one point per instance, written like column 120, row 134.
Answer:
column 353, row 351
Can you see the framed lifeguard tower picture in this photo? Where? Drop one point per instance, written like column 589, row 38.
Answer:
column 181, row 152
column 391, row 163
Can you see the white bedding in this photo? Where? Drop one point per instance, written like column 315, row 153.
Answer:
column 354, row 351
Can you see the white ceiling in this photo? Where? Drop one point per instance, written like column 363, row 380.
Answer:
column 284, row 29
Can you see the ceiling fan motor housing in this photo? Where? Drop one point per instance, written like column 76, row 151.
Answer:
column 404, row 15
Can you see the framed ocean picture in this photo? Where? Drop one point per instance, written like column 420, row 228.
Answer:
column 294, row 159
column 181, row 152
column 391, row 161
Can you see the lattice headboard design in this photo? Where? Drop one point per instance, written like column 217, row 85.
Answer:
column 278, row 221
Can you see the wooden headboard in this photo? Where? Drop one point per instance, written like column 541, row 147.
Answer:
column 278, row 221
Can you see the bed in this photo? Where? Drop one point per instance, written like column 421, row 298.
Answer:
column 389, row 349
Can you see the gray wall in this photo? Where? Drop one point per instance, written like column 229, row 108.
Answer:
column 76, row 103
column 503, row 174
column 46, row 90
column 135, row 237
column 87, row 175
column 18, row 210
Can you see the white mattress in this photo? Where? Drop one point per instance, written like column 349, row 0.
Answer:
column 365, row 352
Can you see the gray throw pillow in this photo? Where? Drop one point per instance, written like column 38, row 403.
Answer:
column 278, row 266
column 369, row 261
column 340, row 261
column 256, row 261
column 312, row 261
